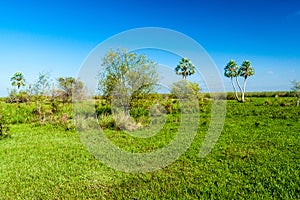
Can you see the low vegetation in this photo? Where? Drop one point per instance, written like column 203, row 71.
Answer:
column 256, row 158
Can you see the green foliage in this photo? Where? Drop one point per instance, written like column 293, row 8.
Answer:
column 17, row 96
column 4, row 130
column 185, row 89
column 296, row 86
column 18, row 80
column 127, row 74
column 231, row 69
column 296, row 90
column 246, row 70
column 256, row 159
column 185, row 68
column 42, row 85
column 68, row 86
column 103, row 109
column 20, row 97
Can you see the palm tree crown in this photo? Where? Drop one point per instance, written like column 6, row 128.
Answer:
column 246, row 70
column 231, row 69
column 185, row 68
column 18, row 80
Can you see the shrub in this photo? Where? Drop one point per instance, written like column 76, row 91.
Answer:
column 185, row 89
column 103, row 109
column 125, row 122
column 106, row 121
column 138, row 112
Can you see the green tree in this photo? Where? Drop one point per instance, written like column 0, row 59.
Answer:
column 185, row 68
column 41, row 91
column 42, row 86
column 246, row 70
column 69, row 85
column 231, row 71
column 296, row 90
column 125, row 76
column 18, row 80
column 185, row 89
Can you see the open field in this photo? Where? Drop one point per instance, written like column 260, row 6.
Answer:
column 256, row 157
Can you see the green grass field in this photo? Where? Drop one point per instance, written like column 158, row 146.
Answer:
column 256, row 157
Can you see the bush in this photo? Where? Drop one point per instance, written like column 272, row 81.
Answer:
column 21, row 97
column 106, row 121
column 185, row 89
column 103, row 109
column 138, row 112
column 125, row 122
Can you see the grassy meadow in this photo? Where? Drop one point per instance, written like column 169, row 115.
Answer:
column 257, row 155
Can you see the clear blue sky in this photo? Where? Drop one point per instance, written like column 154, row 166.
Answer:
column 56, row 36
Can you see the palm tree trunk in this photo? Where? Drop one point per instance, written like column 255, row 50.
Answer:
column 244, row 90
column 235, row 92
column 239, row 85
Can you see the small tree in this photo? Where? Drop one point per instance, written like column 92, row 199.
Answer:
column 296, row 89
column 232, row 71
column 42, row 86
column 41, row 90
column 185, row 89
column 185, row 68
column 125, row 76
column 18, row 80
column 68, row 86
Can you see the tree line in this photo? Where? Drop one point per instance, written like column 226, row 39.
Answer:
column 43, row 87
column 127, row 75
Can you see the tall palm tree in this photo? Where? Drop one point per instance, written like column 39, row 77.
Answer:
column 246, row 70
column 232, row 71
column 185, row 68
column 18, row 80
column 296, row 90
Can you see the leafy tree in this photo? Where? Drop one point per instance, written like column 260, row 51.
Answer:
column 68, row 86
column 185, row 68
column 18, row 80
column 246, row 70
column 185, row 89
column 125, row 76
column 296, row 89
column 232, row 71
column 42, row 85
column 41, row 91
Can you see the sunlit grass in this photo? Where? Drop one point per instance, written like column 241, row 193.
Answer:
column 256, row 157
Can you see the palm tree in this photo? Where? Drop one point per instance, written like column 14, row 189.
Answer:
column 185, row 68
column 231, row 71
column 18, row 80
column 246, row 70
column 296, row 90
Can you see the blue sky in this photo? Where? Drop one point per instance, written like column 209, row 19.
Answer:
column 56, row 36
